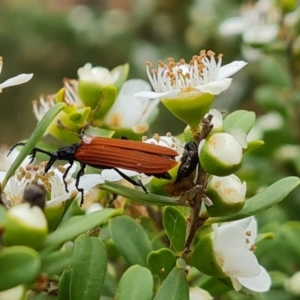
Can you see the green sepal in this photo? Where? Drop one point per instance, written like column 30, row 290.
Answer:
column 54, row 213
column 16, row 258
column 175, row 225
column 135, row 284
column 90, row 259
column 190, row 107
column 131, row 240
column 161, row 262
column 64, row 285
column 122, row 71
column 174, row 287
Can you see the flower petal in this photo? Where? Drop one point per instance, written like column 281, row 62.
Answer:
column 154, row 95
column 22, row 78
column 242, row 264
column 260, row 283
column 215, row 87
column 231, row 68
column 112, row 175
column 88, row 181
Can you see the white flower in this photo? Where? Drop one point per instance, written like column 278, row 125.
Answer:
column 203, row 74
column 166, row 141
column 217, row 119
column 292, row 285
column 22, row 78
column 129, row 111
column 7, row 160
column 233, row 245
column 98, row 75
column 258, row 23
column 199, row 294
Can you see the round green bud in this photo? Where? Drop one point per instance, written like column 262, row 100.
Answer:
column 220, row 154
column 227, row 195
column 25, row 225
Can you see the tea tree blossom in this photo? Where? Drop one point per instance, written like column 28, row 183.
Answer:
column 19, row 79
column 196, row 83
column 203, row 73
column 131, row 112
column 233, row 246
column 98, row 75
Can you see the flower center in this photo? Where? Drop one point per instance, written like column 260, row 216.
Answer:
column 202, row 68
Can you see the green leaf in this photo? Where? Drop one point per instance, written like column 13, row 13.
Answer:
column 175, row 225
column 79, row 224
column 19, row 265
column 89, row 268
column 253, row 145
column 131, row 240
column 64, row 285
column 175, row 287
column 34, row 138
column 137, row 196
column 239, row 119
column 135, row 284
column 161, row 262
column 57, row 261
column 262, row 201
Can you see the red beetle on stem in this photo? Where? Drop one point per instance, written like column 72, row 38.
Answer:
column 108, row 153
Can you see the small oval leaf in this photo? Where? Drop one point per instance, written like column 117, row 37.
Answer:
column 175, row 287
column 262, row 201
column 19, row 265
column 135, row 284
column 175, row 225
column 239, row 119
column 64, row 285
column 89, row 268
column 79, row 224
column 130, row 239
column 161, row 262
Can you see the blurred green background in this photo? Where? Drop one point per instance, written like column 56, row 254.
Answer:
column 53, row 39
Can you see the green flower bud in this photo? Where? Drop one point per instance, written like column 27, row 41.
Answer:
column 227, row 195
column 220, row 154
column 25, row 225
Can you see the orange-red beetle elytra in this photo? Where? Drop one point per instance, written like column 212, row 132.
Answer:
column 109, row 153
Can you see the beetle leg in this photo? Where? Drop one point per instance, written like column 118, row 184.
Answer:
column 66, row 173
column 79, row 174
column 129, row 179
